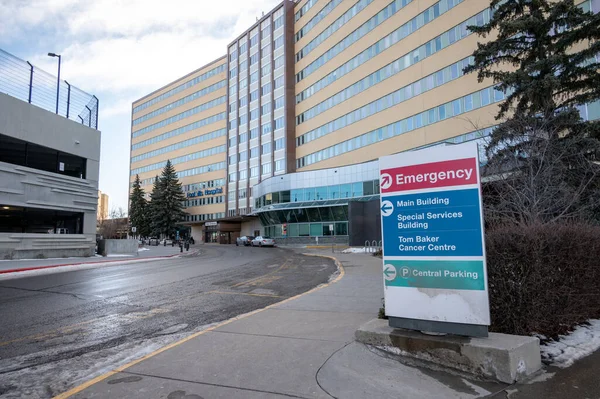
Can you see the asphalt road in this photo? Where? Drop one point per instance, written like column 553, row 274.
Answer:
column 59, row 330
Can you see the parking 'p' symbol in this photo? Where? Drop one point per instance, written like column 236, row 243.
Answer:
column 405, row 271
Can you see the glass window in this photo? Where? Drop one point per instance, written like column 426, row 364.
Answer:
column 292, row 230
column 334, row 192
column 368, row 188
column 285, row 196
column 309, row 194
column 297, row 195
column 357, row 189
column 326, row 230
column 301, row 216
column 345, row 190
column 316, row 229
column 321, row 193
column 303, row 230
column 341, row 229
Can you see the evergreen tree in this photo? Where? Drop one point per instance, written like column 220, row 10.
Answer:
column 168, row 211
column 153, row 207
column 138, row 209
column 544, row 59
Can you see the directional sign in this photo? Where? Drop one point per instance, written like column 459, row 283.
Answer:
column 387, row 208
column 433, row 237
column 389, row 272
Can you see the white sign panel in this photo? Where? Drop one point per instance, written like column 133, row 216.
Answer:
column 433, row 240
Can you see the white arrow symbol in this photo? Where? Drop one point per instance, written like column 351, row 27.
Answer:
column 386, row 181
column 387, row 208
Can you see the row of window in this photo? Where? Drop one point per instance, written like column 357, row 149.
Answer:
column 324, row 214
column 203, row 185
column 405, row 93
column 181, row 144
column 279, row 145
column 304, row 9
column 202, row 169
column 383, row 44
column 243, row 101
column 185, row 158
column 307, row 230
column 181, row 130
column 217, row 199
column 448, row 110
column 181, row 87
column 264, row 169
column 204, row 216
column 332, row 28
column 184, row 100
column 317, row 18
column 378, row 76
column 178, row 117
column 336, row 191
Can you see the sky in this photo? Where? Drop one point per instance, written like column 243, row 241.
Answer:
column 121, row 50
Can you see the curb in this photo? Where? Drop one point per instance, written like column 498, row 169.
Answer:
column 26, row 269
column 340, row 270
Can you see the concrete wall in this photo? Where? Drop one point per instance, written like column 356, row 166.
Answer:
column 249, row 227
column 122, row 247
column 30, row 123
column 31, row 246
column 27, row 187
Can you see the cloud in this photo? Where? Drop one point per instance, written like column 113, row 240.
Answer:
column 120, row 50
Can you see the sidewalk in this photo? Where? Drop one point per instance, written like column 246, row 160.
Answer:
column 32, row 264
column 302, row 347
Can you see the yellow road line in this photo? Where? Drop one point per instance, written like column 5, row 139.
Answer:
column 104, row 376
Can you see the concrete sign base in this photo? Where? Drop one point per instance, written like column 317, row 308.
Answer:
column 502, row 357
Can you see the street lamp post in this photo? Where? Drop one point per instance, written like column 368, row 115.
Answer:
column 58, row 79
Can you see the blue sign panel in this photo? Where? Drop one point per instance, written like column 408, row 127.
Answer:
column 443, row 223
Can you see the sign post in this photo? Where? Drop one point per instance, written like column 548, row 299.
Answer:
column 434, row 270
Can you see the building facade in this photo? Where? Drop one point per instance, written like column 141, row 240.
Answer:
column 49, row 166
column 186, row 122
column 317, row 90
column 102, row 206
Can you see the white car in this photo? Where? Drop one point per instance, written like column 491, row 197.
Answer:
column 263, row 241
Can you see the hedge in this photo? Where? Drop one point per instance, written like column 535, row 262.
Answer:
column 543, row 279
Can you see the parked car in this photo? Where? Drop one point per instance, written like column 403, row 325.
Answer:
column 153, row 241
column 263, row 241
column 166, row 241
column 244, row 240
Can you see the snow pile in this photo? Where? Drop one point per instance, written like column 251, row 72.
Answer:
column 359, row 250
column 143, row 249
column 583, row 341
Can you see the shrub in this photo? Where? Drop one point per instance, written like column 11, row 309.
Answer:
column 543, row 279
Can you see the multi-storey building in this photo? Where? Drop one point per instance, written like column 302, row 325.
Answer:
column 102, row 206
column 318, row 90
column 186, row 122
column 49, row 164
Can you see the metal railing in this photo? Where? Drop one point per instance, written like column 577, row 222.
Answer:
column 22, row 80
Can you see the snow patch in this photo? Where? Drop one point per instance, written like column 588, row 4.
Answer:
column 118, row 256
column 359, row 250
column 583, row 341
column 143, row 249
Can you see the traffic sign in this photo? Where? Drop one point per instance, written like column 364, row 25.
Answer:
column 433, row 236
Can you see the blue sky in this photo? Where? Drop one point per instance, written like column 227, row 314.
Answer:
column 121, row 50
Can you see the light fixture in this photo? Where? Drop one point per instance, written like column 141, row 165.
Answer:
column 6, row 207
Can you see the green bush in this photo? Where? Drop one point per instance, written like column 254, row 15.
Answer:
column 543, row 279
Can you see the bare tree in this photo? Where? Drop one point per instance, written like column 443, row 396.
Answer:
column 537, row 175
